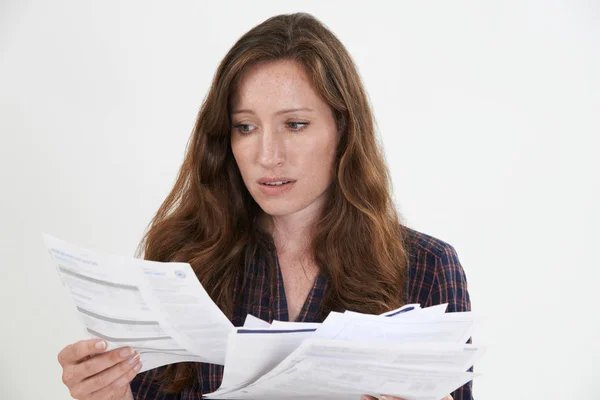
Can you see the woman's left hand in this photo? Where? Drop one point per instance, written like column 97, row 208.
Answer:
column 384, row 397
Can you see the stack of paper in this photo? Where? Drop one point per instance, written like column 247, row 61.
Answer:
column 162, row 311
column 411, row 352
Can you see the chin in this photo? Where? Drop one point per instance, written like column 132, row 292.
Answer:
column 279, row 207
column 275, row 211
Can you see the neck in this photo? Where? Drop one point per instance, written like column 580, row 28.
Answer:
column 292, row 233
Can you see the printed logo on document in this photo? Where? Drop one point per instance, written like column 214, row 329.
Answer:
column 180, row 274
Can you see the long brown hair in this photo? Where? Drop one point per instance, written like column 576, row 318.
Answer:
column 208, row 219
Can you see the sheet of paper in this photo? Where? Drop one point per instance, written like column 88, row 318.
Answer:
column 285, row 325
column 333, row 369
column 321, row 378
column 160, row 309
column 424, row 312
column 433, row 310
column 250, row 354
column 434, row 356
column 446, row 328
column 251, row 322
column 404, row 309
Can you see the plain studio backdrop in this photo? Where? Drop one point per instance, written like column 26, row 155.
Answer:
column 488, row 114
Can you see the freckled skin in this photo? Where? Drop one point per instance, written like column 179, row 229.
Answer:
column 273, row 147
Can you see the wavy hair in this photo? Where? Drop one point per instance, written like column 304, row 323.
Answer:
column 208, row 218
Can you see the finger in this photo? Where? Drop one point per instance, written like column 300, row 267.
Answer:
column 115, row 377
column 90, row 366
column 104, row 361
column 83, row 350
column 118, row 388
column 367, row 397
column 449, row 397
column 78, row 351
column 388, row 397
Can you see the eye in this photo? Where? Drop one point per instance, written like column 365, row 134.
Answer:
column 244, row 128
column 297, row 126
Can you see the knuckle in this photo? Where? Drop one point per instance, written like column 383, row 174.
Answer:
column 67, row 377
column 77, row 353
column 75, row 393
column 86, row 369
column 84, row 348
column 115, row 356
column 60, row 357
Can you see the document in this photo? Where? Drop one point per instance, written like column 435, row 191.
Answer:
column 159, row 309
column 164, row 313
column 250, row 354
column 325, row 368
column 412, row 352
column 429, row 327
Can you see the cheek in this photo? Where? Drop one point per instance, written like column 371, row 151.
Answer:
column 319, row 161
column 241, row 157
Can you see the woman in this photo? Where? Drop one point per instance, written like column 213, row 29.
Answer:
column 282, row 207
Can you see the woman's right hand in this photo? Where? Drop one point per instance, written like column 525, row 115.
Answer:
column 91, row 374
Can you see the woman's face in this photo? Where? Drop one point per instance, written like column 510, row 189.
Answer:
column 283, row 138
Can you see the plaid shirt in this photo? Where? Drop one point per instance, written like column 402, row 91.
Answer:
column 435, row 277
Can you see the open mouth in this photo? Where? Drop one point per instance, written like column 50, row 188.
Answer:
column 276, row 188
column 280, row 183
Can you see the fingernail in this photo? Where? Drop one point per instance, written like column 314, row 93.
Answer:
column 101, row 345
column 126, row 352
column 137, row 367
column 134, row 358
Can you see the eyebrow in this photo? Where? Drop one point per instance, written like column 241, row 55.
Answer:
column 287, row 110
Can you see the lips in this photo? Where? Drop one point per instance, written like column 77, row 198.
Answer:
column 276, row 186
column 275, row 181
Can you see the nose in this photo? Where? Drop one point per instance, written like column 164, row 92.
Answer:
column 272, row 150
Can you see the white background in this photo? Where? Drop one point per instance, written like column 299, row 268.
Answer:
column 489, row 114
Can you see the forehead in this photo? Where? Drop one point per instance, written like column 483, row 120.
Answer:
column 275, row 84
